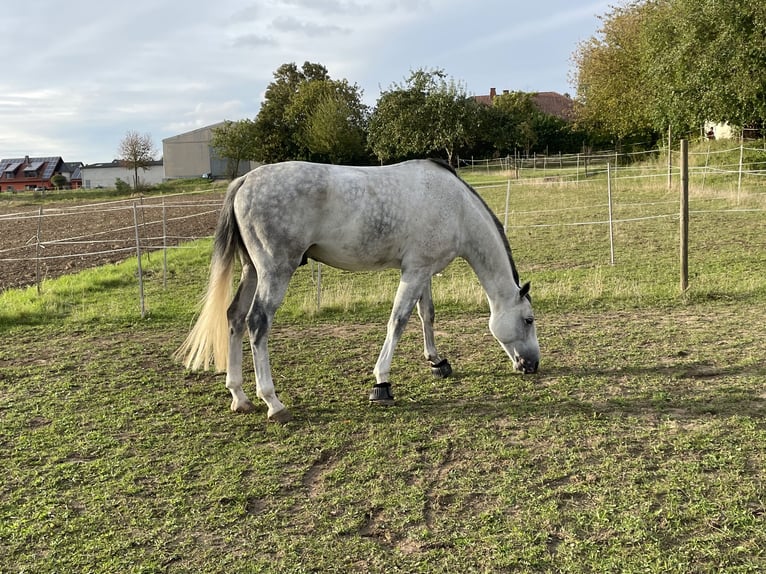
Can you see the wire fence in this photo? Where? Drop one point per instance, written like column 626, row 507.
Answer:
column 576, row 167
column 50, row 241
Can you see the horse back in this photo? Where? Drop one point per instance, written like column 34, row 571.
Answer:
column 353, row 217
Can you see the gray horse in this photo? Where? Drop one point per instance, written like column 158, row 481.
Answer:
column 416, row 216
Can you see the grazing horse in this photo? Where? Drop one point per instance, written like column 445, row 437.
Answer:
column 416, row 216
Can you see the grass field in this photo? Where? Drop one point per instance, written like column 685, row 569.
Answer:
column 640, row 446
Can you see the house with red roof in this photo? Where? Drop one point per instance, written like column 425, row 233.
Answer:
column 551, row 103
column 35, row 173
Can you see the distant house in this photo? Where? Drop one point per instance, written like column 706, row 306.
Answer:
column 718, row 131
column 30, row 173
column 97, row 175
column 191, row 154
column 551, row 103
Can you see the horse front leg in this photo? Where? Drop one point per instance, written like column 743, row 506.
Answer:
column 440, row 367
column 236, row 315
column 408, row 293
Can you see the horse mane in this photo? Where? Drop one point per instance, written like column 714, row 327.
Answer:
column 443, row 164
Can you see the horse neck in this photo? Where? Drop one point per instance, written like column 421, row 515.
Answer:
column 486, row 253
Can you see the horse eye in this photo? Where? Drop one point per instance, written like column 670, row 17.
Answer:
column 529, row 320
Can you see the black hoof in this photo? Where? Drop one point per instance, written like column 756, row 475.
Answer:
column 381, row 395
column 442, row 369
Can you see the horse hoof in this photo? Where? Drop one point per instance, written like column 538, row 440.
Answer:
column 381, row 395
column 242, row 407
column 441, row 370
column 281, row 417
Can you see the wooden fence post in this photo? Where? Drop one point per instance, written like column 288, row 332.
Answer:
column 684, row 215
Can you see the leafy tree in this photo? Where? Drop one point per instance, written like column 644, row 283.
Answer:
column 610, row 74
column 330, row 121
column 677, row 63
column 136, row 152
column 58, row 181
column 705, row 60
column 237, row 142
column 274, row 127
column 514, row 127
column 426, row 114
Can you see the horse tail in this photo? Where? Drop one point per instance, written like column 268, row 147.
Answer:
column 209, row 337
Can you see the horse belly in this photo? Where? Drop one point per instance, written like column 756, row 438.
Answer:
column 353, row 258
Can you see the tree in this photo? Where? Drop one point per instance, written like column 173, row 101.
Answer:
column 330, row 121
column 514, row 127
column 59, row 181
column 705, row 60
column 674, row 63
column 610, row 74
column 136, row 152
column 428, row 113
column 236, row 142
column 274, row 128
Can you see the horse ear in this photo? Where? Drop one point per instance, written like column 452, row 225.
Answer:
column 524, row 291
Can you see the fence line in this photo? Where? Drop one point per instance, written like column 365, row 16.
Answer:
column 146, row 244
column 155, row 243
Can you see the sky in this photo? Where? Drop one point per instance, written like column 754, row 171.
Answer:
column 80, row 74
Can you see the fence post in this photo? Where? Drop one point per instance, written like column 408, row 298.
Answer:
column 37, row 248
column 684, row 215
column 319, row 285
column 611, row 220
column 507, row 200
column 741, row 158
column 138, row 256
column 164, row 246
column 670, row 160
column 707, row 162
column 577, row 169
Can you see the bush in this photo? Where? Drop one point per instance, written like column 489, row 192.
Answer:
column 122, row 186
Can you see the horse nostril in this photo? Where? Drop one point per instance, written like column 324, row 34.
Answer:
column 531, row 367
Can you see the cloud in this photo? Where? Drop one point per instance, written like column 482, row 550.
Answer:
column 253, row 41
column 313, row 30
column 249, row 13
column 129, row 69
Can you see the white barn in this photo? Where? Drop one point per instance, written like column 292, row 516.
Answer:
column 191, row 154
column 97, row 175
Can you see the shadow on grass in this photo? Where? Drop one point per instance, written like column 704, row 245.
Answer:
column 686, row 392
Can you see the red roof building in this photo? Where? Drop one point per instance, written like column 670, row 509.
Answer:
column 551, row 103
column 34, row 173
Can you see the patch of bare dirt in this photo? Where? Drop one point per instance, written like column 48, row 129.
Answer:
column 74, row 237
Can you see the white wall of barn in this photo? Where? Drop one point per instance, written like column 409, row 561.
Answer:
column 106, row 175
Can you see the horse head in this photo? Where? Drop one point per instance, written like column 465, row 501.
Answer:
column 514, row 328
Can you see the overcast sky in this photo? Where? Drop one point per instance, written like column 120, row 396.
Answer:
column 79, row 74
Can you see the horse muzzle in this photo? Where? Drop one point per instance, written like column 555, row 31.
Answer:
column 526, row 366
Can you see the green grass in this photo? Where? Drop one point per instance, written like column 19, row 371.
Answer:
column 640, row 446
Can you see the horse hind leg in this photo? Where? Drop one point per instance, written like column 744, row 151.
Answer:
column 236, row 315
column 271, row 289
column 440, row 367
